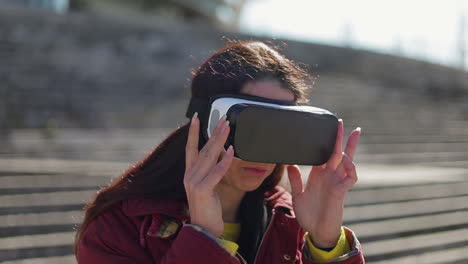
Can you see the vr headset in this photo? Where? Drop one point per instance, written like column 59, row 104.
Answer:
column 270, row 131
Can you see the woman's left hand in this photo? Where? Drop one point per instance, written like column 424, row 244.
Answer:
column 319, row 204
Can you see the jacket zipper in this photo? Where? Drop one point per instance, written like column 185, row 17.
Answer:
column 265, row 234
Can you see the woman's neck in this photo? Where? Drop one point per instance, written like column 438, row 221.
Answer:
column 230, row 201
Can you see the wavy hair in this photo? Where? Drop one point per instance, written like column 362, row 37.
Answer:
column 224, row 72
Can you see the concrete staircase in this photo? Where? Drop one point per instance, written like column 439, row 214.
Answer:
column 40, row 203
column 398, row 219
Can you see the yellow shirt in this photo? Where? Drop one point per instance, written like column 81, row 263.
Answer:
column 342, row 247
column 230, row 236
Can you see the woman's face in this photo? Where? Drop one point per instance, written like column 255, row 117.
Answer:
column 245, row 175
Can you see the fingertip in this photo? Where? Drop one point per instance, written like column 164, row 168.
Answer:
column 295, row 166
column 290, row 166
column 226, row 127
column 228, row 157
column 194, row 117
column 355, row 136
column 340, row 125
column 359, row 131
column 293, row 170
column 230, row 150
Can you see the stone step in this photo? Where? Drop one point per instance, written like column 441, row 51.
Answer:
column 429, row 158
column 409, row 129
column 36, row 252
column 449, row 164
column 446, row 247
column 8, row 191
column 407, row 209
column 57, row 181
column 455, row 255
column 45, row 199
column 417, row 147
column 374, row 175
column 406, row 227
column 375, row 137
column 411, row 192
column 41, row 219
column 35, row 241
column 44, row 166
column 35, row 230
column 68, row 259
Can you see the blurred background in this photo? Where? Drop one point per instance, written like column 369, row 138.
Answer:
column 87, row 88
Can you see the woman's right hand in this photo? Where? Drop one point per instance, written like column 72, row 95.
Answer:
column 203, row 171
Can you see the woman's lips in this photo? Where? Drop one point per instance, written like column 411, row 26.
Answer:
column 259, row 172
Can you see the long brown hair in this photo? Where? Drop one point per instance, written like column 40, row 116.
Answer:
column 224, row 72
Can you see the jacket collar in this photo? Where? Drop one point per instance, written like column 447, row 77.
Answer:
column 276, row 198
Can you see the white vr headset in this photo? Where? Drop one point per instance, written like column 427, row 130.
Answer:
column 271, row 131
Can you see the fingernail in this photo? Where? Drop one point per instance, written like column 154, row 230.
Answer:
column 358, row 129
column 231, row 149
column 226, row 125
column 194, row 116
column 340, row 120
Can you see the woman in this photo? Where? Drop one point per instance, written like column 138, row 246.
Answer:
column 194, row 202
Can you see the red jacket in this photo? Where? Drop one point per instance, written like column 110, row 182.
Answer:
column 146, row 231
